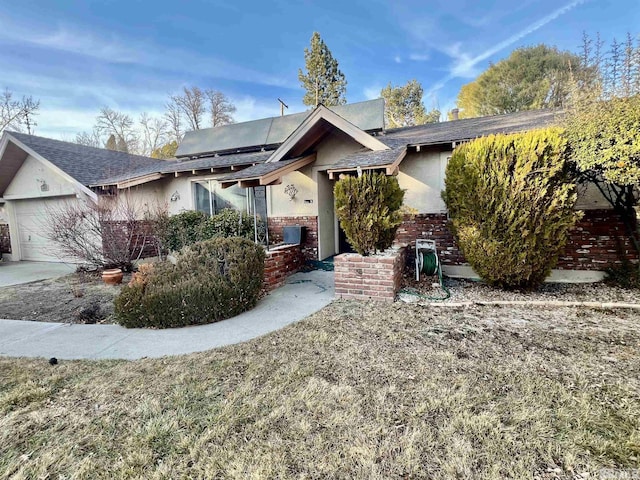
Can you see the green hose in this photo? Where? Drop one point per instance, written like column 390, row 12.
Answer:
column 430, row 266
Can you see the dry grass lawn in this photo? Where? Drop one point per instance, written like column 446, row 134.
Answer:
column 357, row 391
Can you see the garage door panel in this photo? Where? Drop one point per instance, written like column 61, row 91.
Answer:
column 32, row 222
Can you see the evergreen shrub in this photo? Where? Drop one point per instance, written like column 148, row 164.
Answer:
column 368, row 208
column 511, row 200
column 211, row 280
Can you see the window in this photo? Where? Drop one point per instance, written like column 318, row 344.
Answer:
column 211, row 198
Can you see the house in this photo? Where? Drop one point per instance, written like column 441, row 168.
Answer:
column 284, row 169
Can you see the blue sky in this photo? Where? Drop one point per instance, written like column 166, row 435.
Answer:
column 77, row 56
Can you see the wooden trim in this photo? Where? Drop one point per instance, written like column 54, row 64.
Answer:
column 272, row 178
column 139, row 180
column 323, row 113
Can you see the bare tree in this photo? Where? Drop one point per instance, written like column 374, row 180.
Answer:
column 221, row 109
column 112, row 233
column 119, row 124
column 193, row 105
column 173, row 115
column 90, row 139
column 17, row 114
column 155, row 133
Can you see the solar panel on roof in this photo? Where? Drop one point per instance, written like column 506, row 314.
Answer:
column 367, row 116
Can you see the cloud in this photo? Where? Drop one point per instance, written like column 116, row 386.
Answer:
column 116, row 50
column 465, row 65
column 397, row 59
column 372, row 92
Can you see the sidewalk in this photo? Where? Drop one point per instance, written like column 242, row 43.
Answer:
column 304, row 294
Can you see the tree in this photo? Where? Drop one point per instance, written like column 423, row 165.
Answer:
column 90, row 139
column 168, row 150
column 603, row 127
column 530, row 78
column 404, row 107
column 368, row 208
column 112, row 143
column 323, row 81
column 173, row 116
column 192, row 105
column 155, row 133
column 511, row 199
column 17, row 114
column 121, row 126
column 221, row 109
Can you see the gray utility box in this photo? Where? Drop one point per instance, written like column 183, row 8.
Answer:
column 293, row 234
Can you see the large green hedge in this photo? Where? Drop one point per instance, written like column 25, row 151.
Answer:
column 211, row 280
column 368, row 208
column 511, row 199
column 188, row 227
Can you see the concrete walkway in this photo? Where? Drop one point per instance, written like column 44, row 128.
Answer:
column 304, row 294
column 15, row 273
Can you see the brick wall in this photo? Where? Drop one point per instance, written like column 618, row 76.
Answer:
column 430, row 226
column 280, row 263
column 5, row 239
column 597, row 242
column 594, row 244
column 310, row 243
column 376, row 277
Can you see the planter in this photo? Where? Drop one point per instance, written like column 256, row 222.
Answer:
column 112, row 276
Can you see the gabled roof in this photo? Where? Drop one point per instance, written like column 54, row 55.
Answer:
column 269, row 132
column 315, row 126
column 87, row 165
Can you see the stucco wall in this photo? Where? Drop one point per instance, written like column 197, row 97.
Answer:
column 28, row 181
column 422, row 176
column 279, row 204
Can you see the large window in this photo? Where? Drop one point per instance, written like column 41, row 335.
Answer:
column 211, row 198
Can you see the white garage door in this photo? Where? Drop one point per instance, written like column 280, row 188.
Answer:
column 31, row 216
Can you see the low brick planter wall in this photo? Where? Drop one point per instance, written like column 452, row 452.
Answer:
column 375, row 277
column 281, row 262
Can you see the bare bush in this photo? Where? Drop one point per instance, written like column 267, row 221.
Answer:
column 112, row 233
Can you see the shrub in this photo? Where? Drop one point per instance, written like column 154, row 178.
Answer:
column 188, row 227
column 211, row 280
column 368, row 208
column 228, row 223
column 184, row 229
column 511, row 200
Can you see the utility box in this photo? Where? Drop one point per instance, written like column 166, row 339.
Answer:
column 293, row 234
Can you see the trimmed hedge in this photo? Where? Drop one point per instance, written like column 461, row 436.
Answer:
column 368, row 208
column 211, row 280
column 511, row 199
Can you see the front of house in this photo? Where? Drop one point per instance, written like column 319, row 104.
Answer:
column 284, row 169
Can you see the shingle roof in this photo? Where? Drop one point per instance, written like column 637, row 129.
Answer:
column 97, row 166
column 89, row 165
column 469, row 128
column 368, row 158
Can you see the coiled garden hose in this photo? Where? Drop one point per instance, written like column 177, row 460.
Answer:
column 429, row 265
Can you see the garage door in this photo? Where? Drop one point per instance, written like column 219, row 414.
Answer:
column 31, row 217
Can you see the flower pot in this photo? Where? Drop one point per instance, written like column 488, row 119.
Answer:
column 112, row 276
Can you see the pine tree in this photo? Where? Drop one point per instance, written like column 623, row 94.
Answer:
column 404, row 107
column 323, row 81
column 122, row 145
column 111, row 144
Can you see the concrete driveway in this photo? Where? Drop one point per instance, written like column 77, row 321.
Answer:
column 304, row 294
column 15, row 273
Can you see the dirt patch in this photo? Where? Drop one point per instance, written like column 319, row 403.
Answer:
column 75, row 298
